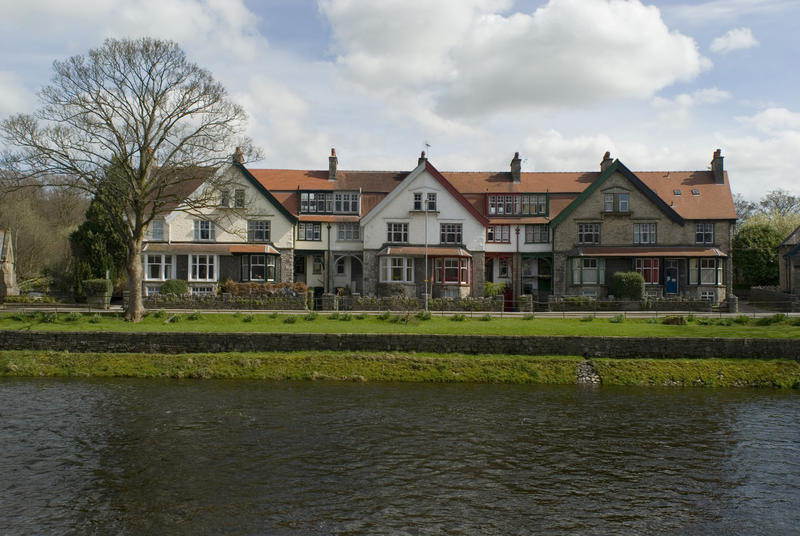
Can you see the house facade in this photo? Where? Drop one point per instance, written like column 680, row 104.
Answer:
column 449, row 233
column 789, row 263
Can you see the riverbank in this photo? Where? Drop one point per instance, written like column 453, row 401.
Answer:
column 403, row 367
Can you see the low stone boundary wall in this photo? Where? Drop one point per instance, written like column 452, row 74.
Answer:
column 617, row 347
column 775, row 299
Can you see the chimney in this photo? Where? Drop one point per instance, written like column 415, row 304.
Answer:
column 516, row 166
column 716, row 167
column 422, row 158
column 606, row 163
column 238, row 156
column 333, row 162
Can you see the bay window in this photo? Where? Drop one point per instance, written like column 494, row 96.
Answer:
column 588, row 271
column 705, row 271
column 259, row 267
column 397, row 270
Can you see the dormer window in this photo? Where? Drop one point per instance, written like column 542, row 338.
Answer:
column 695, row 192
column 676, row 192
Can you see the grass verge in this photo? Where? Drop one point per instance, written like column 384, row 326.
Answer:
column 405, row 367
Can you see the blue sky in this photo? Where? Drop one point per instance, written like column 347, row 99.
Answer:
column 660, row 84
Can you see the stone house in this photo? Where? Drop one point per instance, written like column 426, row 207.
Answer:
column 8, row 277
column 789, row 263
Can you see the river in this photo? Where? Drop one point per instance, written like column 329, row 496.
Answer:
column 136, row 457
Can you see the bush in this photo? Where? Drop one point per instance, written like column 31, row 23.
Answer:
column 742, row 319
column 194, row 316
column 491, row 289
column 264, row 289
column 72, row 317
column 97, row 287
column 587, row 318
column 628, row 285
column 248, row 318
column 310, row 316
column 161, row 313
column 384, row 315
column 291, row 319
column 424, row 315
column 345, row 317
column 458, row 318
column 674, row 321
column 174, row 287
column 617, row 319
column 486, row 318
column 95, row 319
column 528, row 316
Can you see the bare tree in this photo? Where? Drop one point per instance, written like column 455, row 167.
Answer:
column 779, row 202
column 140, row 107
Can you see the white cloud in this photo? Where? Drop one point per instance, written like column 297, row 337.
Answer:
column 736, row 39
column 729, row 9
column 773, row 120
column 16, row 99
column 473, row 60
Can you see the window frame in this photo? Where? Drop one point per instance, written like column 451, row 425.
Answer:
column 589, row 229
column 581, row 267
column 259, row 230
column 165, row 268
column 395, row 230
column 156, row 230
column 402, row 266
column 210, row 231
column 499, row 233
column 309, row 228
column 649, row 268
column 348, row 232
column 645, row 233
column 534, row 232
column 451, row 233
column 704, row 232
column 208, row 261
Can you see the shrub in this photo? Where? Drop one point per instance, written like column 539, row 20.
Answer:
column 97, row 287
column 384, row 315
column 28, row 299
column 491, row 289
column 72, row 317
column 617, row 319
column 95, row 318
column 674, row 321
column 334, row 316
column 291, row 319
column 458, row 317
column 742, row 319
column 174, row 287
column 528, row 316
column 161, row 313
column 628, row 285
column 311, row 316
column 194, row 316
column 424, row 315
column 248, row 318
column 361, row 316
column 345, row 317
column 486, row 318
column 48, row 318
column 587, row 318
column 174, row 319
column 274, row 315
column 264, row 289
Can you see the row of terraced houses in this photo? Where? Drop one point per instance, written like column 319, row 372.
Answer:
column 546, row 234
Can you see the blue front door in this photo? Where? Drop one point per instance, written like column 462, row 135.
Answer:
column 671, row 277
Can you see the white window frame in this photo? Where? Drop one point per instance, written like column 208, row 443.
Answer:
column 204, row 231
column 645, row 233
column 196, row 267
column 157, row 230
column 163, row 263
column 430, row 202
column 417, row 201
column 397, row 270
column 312, row 229
column 704, row 233
column 589, row 230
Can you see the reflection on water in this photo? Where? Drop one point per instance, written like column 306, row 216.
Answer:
column 239, row 457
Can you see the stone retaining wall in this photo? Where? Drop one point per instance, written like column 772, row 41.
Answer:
column 618, row 347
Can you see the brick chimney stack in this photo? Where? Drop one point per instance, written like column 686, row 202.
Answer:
column 333, row 163
column 238, row 156
column 516, row 168
column 716, row 167
column 422, row 158
column 607, row 161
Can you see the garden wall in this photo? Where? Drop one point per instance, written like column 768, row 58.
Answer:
column 617, row 347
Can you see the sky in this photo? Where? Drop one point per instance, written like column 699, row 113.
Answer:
column 660, row 84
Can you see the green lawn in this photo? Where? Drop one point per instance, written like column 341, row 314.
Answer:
column 742, row 327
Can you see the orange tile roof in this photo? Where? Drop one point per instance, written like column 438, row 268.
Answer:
column 652, row 251
column 713, row 201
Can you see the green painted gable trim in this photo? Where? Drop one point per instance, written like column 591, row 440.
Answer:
column 618, row 166
column 266, row 193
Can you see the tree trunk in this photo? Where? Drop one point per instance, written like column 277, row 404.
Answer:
column 134, row 310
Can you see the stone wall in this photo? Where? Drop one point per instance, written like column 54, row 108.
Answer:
column 617, row 347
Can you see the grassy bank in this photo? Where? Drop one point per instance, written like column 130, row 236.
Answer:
column 777, row 326
column 357, row 366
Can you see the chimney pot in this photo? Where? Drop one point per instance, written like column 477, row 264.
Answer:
column 333, row 164
column 238, row 156
column 422, row 158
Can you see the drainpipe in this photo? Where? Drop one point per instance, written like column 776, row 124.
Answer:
column 328, row 282
column 517, row 270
